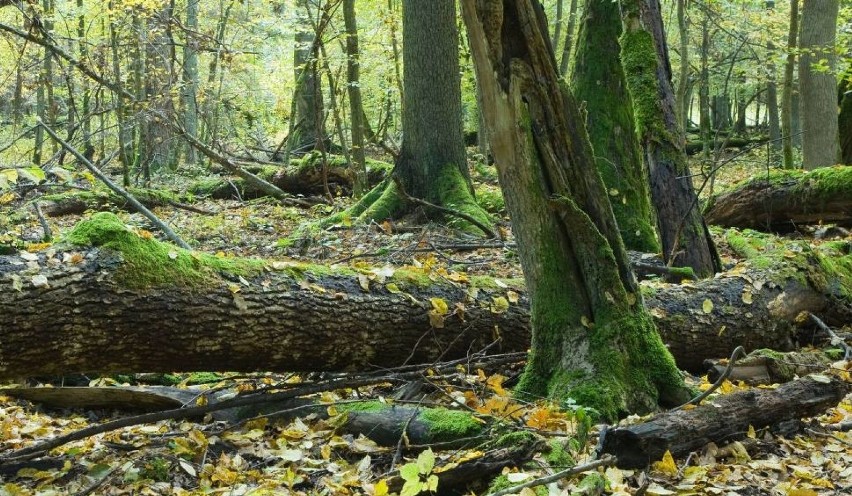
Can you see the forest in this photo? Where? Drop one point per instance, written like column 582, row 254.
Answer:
column 558, row 247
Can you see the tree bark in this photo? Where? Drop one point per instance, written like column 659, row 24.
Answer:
column 845, row 118
column 598, row 80
column 817, row 85
column 784, row 200
column 724, row 419
column 190, row 77
column 682, row 99
column 106, row 311
column 585, row 310
column 305, row 65
column 644, row 55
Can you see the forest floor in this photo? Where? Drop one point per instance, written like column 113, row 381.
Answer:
column 308, row 454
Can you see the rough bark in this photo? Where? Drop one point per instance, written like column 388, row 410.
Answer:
column 432, row 115
column 644, row 55
column 106, row 311
column 598, row 80
column 190, row 77
column 724, row 419
column 307, row 124
column 783, row 200
column 817, row 85
column 770, row 367
column 585, row 311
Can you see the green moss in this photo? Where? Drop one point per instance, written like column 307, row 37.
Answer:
column 450, row 425
column 490, row 198
column 594, row 483
column 835, row 260
column 151, row 263
column 363, row 406
column 488, row 282
column 558, row 457
column 513, row 438
column 415, row 278
column 639, row 60
column 454, row 193
column 156, row 469
column 682, row 272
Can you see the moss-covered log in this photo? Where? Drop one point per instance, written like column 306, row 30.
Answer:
column 133, row 304
column 77, row 202
column 784, row 199
column 771, row 367
column 305, row 176
column 724, row 419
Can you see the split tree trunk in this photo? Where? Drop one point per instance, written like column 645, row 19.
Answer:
column 591, row 335
column 90, row 316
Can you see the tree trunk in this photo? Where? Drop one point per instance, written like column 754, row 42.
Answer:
column 598, row 80
column 586, row 313
column 644, row 55
column 783, row 201
column 154, row 307
column 356, row 107
column 306, row 104
column 682, row 99
column 787, row 92
column 845, row 118
column 817, row 83
column 432, row 165
column 569, row 39
column 704, row 90
column 190, row 77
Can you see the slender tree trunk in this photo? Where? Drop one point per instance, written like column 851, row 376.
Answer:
column 86, row 103
column 122, row 114
column 190, row 78
column 787, row 92
column 598, row 80
column 845, row 117
column 557, row 31
column 586, row 313
column 569, row 39
column 685, row 239
column 682, row 99
column 817, row 83
column 704, row 89
column 772, row 99
column 353, row 89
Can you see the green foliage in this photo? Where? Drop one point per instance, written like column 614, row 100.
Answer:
column 418, row 475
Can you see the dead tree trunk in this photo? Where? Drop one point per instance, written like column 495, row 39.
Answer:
column 134, row 304
column 783, row 200
column 724, row 419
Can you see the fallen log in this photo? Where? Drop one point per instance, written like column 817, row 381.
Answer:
column 771, row 367
column 122, row 301
column 695, row 146
column 726, row 418
column 304, row 176
column 78, row 202
column 784, row 199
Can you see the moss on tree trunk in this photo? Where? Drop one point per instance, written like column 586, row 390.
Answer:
column 590, row 329
column 598, row 80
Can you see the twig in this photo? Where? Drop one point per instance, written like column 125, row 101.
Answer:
column 738, row 351
column 45, row 227
column 835, row 339
column 605, row 461
column 117, row 189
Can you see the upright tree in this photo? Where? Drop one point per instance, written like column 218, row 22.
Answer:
column 644, row 56
column 353, row 89
column 598, row 80
column 817, row 83
column 190, row 77
column 307, row 125
column 593, row 341
column 431, row 166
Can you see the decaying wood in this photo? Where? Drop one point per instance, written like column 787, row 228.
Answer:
column 769, row 367
column 785, row 200
column 725, row 419
column 86, row 319
column 76, row 203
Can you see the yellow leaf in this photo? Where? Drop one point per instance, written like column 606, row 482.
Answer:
column 751, row 433
column 707, row 306
column 364, row 281
column 802, row 492
column 747, row 297
column 495, row 382
column 667, row 465
column 439, row 306
column 392, row 288
column 380, row 488
column 436, row 319
column 512, row 296
column 7, row 198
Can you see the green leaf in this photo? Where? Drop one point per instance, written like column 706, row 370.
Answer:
column 33, row 174
column 432, row 483
column 410, row 488
column 426, row 461
column 409, row 472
